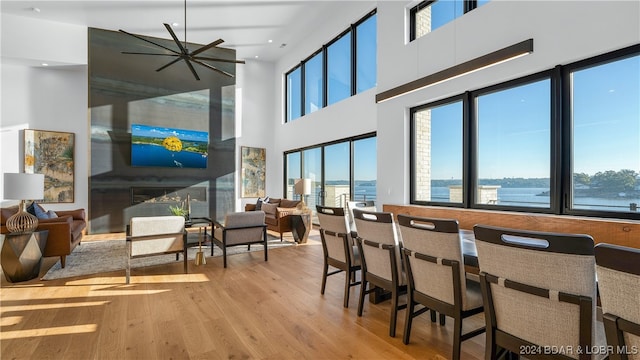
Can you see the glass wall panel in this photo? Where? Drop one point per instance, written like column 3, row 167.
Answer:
column 513, row 154
column 312, row 169
column 366, row 54
column 294, row 94
column 606, row 136
column 313, row 91
column 293, row 172
column 339, row 69
column 336, row 175
column 437, row 149
column 365, row 167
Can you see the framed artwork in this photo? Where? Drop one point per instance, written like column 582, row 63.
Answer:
column 253, row 169
column 51, row 153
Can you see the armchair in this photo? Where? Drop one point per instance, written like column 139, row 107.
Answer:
column 244, row 228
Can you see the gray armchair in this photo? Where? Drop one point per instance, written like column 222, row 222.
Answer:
column 244, row 228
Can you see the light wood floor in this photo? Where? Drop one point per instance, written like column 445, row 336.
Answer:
column 251, row 310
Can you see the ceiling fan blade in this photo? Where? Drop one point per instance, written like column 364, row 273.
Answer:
column 193, row 71
column 212, row 68
column 208, row 46
column 141, row 53
column 169, row 64
column 175, row 38
column 149, row 41
column 220, row 60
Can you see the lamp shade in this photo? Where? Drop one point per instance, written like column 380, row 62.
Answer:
column 23, row 186
column 302, row 187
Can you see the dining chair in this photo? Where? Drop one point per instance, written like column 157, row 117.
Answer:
column 380, row 248
column 539, row 293
column 436, row 275
column 367, row 205
column 338, row 248
column 618, row 270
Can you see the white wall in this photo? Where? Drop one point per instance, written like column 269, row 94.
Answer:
column 44, row 98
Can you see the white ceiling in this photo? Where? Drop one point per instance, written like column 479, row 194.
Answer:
column 244, row 25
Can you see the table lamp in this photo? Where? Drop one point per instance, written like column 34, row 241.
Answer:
column 302, row 187
column 23, row 187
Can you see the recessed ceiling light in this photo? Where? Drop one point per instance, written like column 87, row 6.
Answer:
column 45, row 64
column 35, row 9
column 270, row 41
column 175, row 24
column 257, row 56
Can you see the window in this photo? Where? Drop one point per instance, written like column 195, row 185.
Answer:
column 563, row 141
column 513, row 150
column 343, row 68
column 313, row 89
column 430, row 15
column 605, row 131
column 340, row 171
column 366, row 54
column 365, row 160
column 294, row 94
column 437, row 150
column 339, row 69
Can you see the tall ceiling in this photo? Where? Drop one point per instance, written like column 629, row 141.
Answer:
column 258, row 28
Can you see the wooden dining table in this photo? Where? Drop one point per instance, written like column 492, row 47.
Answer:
column 469, row 251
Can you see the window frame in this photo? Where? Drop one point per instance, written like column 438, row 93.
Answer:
column 468, row 5
column 561, row 137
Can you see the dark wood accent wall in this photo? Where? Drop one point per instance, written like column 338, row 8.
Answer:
column 613, row 231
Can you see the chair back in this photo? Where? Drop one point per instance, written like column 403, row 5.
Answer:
column 247, row 226
column 335, row 234
column 156, row 234
column 618, row 269
column 367, row 205
column 379, row 230
column 538, row 286
column 438, row 240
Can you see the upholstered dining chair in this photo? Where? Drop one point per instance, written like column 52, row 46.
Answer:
column 436, row 275
column 618, row 269
column 368, row 205
column 380, row 248
column 242, row 228
column 539, row 293
column 338, row 248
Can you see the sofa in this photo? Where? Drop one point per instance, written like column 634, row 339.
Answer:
column 277, row 213
column 65, row 230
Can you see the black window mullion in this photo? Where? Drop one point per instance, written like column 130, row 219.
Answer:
column 353, row 59
column 325, row 77
column 557, row 150
column 469, row 148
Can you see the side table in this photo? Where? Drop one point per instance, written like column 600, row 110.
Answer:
column 22, row 255
column 301, row 227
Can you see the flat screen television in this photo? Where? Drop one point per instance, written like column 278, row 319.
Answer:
column 168, row 147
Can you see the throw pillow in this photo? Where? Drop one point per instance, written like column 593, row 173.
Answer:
column 269, row 208
column 52, row 214
column 39, row 212
column 260, row 202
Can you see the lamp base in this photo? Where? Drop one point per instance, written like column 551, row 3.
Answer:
column 22, row 222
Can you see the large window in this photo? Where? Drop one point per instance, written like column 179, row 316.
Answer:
column 340, row 171
column 437, row 143
column 605, row 146
column 339, row 69
column 513, row 150
column 429, row 15
column 343, row 68
column 313, row 94
column 563, row 141
column 294, row 94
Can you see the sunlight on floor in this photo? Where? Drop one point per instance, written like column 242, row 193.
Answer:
column 62, row 330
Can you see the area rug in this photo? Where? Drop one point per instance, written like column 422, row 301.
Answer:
column 96, row 257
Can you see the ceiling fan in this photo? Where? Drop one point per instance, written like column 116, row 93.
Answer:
column 189, row 57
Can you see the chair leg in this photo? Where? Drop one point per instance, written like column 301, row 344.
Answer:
column 442, row 319
column 433, row 315
column 394, row 313
column 324, row 276
column 409, row 319
column 457, row 334
column 224, row 256
column 363, row 291
column 347, row 279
